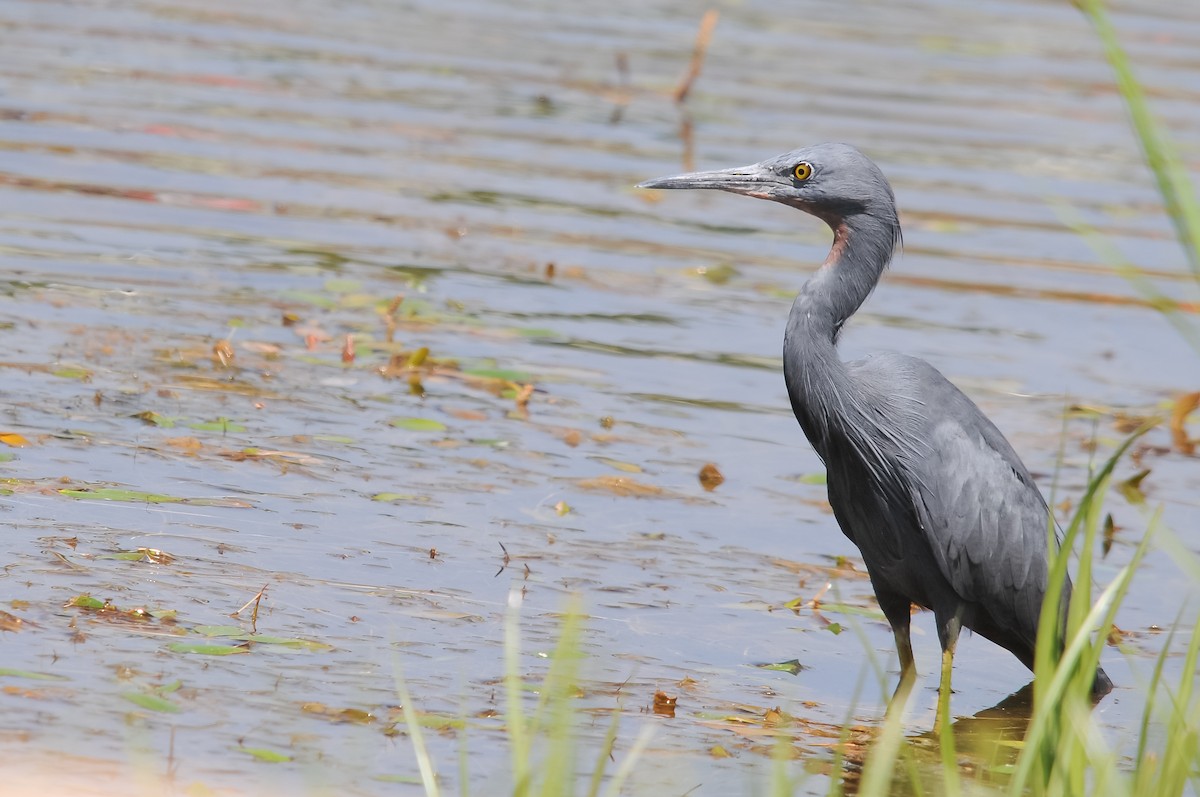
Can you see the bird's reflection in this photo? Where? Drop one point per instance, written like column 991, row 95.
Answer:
column 985, row 744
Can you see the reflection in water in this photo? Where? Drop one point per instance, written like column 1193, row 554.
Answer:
column 987, row 744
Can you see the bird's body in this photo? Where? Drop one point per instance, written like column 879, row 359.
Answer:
column 939, row 504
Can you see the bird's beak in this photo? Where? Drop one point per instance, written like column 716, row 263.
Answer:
column 752, row 181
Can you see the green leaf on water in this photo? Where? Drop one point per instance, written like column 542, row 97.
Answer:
column 167, row 689
column 333, row 438
column 490, row 442
column 299, row 644
column 263, row 754
column 7, row 456
column 500, row 373
column 626, row 467
column 718, row 274
column 151, row 702
column 813, row 478
column 154, row 419
column 218, row 630
column 342, row 285
column 387, row 497
column 219, row 425
column 1131, row 488
column 792, row 666
column 114, row 494
column 397, row 779
column 203, row 649
column 842, row 608
column 86, row 602
column 309, row 297
column 82, row 374
column 36, row 676
column 418, row 424
column 834, row 628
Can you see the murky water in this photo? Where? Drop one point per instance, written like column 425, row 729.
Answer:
column 174, row 175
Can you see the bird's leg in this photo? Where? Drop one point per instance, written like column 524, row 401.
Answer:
column 943, row 705
column 948, row 629
column 898, row 611
column 908, row 669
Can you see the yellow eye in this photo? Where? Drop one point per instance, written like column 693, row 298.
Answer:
column 803, row 171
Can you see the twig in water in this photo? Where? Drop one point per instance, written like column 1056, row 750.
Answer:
column 703, row 37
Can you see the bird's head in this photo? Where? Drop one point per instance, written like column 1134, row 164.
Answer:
column 831, row 181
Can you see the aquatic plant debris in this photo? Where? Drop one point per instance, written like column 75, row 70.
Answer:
column 623, row 486
column 151, row 702
column 792, row 666
column 711, row 477
column 418, row 424
column 263, row 754
column 206, row 648
column 137, row 496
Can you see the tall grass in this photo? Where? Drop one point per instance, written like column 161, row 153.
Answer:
column 1171, row 177
column 544, row 744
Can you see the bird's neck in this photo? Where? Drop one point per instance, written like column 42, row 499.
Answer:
column 862, row 248
column 818, row 383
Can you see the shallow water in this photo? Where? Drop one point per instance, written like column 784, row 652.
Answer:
column 173, row 175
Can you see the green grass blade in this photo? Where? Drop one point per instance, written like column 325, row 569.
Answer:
column 557, row 705
column 515, row 723
column 413, row 722
column 1174, row 183
column 606, row 748
column 631, row 758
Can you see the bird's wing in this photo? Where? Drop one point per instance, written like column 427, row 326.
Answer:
column 983, row 517
column 976, row 505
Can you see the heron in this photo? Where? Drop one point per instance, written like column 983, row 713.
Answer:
column 943, row 511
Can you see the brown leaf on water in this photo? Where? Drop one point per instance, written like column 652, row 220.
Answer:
column 773, row 717
column 348, row 349
column 219, row 384
column 523, row 395
column 664, row 704
column 188, row 445
column 1110, row 533
column 13, row 439
column 389, row 317
column 223, row 352
column 1184, row 405
column 572, row 437
column 710, row 477
column 621, row 485
column 356, row 716
column 1126, row 423
column 155, row 556
column 466, row 415
column 39, row 693
column 10, row 622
